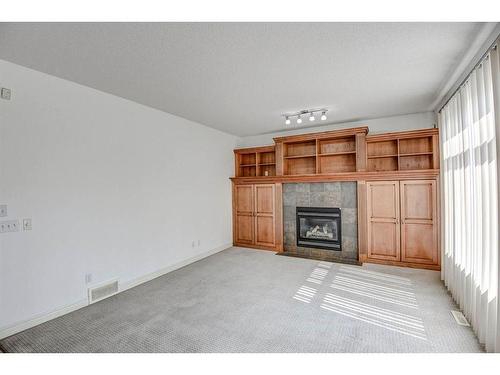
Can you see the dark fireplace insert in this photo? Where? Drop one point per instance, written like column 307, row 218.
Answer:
column 319, row 227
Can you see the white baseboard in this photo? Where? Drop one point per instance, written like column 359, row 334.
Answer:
column 6, row 332
column 143, row 279
column 18, row 327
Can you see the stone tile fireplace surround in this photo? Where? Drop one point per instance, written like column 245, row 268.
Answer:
column 322, row 194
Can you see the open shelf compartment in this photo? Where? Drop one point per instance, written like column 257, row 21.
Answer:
column 418, row 145
column 302, row 165
column 414, row 162
column 267, row 170
column 338, row 146
column 382, row 149
column 248, row 159
column 387, row 163
column 248, row 171
column 300, row 149
column 337, row 163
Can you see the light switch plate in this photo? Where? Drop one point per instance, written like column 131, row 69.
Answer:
column 9, row 226
column 5, row 93
column 3, row 210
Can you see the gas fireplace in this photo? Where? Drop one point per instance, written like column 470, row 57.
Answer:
column 319, row 227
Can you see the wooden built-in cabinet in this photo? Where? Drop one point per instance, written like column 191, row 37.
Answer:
column 397, row 176
column 257, row 216
column 402, row 224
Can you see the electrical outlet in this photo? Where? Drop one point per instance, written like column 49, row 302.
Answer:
column 9, row 226
column 193, row 244
column 6, row 93
column 3, row 210
column 27, row 224
column 88, row 278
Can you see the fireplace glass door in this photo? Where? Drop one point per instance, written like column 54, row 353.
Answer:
column 319, row 227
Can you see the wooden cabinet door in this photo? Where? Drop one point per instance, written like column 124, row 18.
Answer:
column 244, row 214
column 418, row 222
column 383, row 220
column 265, row 215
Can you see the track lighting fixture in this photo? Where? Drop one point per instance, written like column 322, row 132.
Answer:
column 305, row 112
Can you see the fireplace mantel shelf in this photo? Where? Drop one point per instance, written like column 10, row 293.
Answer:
column 348, row 176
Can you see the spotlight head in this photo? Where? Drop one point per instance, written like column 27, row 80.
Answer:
column 311, row 117
column 287, row 120
column 323, row 116
column 299, row 120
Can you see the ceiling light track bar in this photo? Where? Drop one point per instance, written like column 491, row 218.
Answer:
column 303, row 112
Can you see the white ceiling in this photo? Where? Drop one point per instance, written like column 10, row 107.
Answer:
column 240, row 77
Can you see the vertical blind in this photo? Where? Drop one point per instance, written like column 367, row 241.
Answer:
column 469, row 131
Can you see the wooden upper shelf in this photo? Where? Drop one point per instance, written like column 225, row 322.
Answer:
column 403, row 151
column 322, row 153
column 347, row 152
column 255, row 161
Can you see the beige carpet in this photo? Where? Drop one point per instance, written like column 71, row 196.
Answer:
column 243, row 300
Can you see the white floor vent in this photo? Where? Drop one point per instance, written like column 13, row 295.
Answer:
column 460, row 318
column 103, row 291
